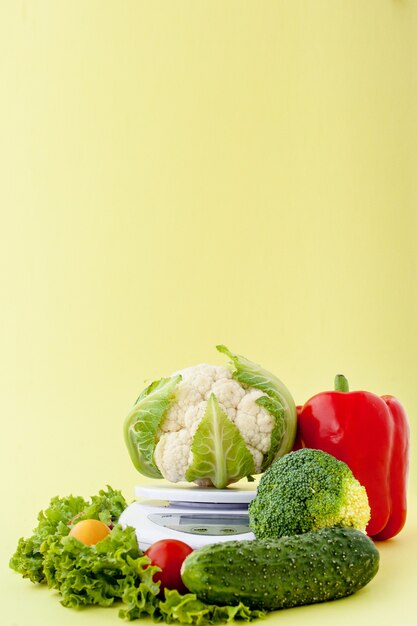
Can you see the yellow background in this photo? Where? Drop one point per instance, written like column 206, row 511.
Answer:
column 184, row 173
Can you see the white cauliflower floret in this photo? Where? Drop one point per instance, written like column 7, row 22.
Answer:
column 193, row 416
column 229, row 393
column 172, row 454
column 174, row 419
column 173, row 451
column 186, row 397
column 254, row 421
column 258, row 457
column 202, row 377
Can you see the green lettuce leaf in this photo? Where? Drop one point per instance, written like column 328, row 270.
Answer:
column 53, row 524
column 278, row 401
column 107, row 506
column 187, row 609
column 219, row 450
column 143, row 421
column 103, row 573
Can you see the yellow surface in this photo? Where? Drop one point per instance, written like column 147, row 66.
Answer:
column 179, row 174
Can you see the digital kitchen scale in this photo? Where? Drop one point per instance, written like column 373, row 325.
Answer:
column 193, row 515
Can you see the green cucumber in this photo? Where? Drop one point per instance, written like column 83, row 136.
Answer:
column 280, row 573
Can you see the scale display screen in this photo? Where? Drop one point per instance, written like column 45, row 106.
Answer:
column 203, row 524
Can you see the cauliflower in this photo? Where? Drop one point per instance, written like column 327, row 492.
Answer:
column 211, row 425
column 173, row 451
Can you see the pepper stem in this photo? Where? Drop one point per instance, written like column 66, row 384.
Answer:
column 341, row 383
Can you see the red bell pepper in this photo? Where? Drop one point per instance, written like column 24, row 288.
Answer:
column 371, row 435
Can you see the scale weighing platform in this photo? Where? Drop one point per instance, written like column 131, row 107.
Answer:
column 193, row 515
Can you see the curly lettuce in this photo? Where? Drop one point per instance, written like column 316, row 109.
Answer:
column 102, row 574
column 188, row 609
column 54, row 523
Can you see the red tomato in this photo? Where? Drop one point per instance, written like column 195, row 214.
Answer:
column 169, row 554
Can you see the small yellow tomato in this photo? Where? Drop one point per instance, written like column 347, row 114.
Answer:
column 89, row 531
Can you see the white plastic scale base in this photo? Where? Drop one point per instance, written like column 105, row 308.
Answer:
column 193, row 515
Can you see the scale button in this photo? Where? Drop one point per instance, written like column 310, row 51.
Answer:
column 199, row 530
column 227, row 530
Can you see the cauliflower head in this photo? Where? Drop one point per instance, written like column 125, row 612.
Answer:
column 211, row 425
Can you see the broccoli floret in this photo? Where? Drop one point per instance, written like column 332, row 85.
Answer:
column 307, row 490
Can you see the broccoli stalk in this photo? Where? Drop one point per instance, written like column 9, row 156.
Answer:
column 304, row 491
